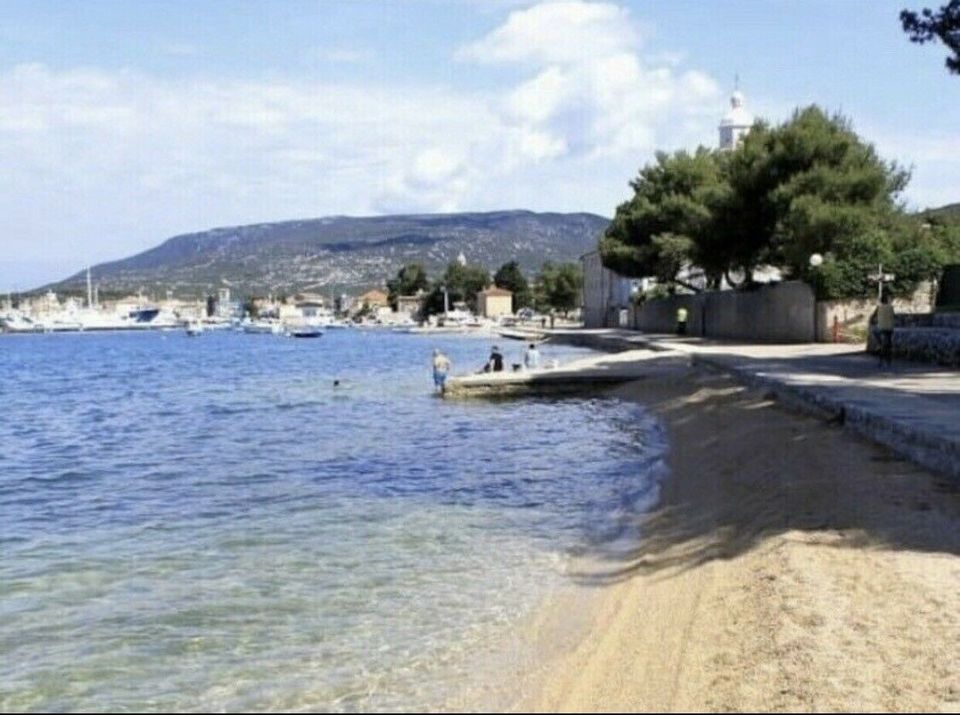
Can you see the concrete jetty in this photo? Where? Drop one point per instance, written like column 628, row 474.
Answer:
column 913, row 409
column 573, row 377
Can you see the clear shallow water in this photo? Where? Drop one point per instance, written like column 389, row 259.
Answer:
column 208, row 524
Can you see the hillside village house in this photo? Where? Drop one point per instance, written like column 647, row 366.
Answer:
column 303, row 305
column 410, row 304
column 494, row 302
column 373, row 299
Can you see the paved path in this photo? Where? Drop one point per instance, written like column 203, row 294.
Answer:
column 913, row 408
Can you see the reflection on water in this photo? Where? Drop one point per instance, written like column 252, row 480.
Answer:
column 211, row 524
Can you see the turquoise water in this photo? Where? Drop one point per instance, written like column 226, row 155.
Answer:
column 208, row 524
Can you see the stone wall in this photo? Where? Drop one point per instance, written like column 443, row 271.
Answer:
column 775, row 313
column 924, row 337
column 850, row 318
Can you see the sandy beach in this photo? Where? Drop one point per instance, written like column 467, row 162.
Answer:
column 789, row 566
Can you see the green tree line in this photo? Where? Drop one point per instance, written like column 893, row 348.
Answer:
column 807, row 186
column 556, row 287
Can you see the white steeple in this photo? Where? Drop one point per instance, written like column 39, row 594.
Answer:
column 736, row 122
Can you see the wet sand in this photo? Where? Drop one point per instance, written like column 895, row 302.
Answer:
column 790, row 566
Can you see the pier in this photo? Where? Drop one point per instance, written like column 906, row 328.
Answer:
column 574, row 377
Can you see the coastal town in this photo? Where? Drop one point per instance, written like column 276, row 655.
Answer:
column 632, row 382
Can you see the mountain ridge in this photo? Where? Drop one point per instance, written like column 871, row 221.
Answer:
column 340, row 253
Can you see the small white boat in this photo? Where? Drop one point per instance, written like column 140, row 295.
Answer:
column 305, row 331
column 262, row 327
column 194, row 328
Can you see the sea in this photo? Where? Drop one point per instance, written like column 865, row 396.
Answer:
column 210, row 524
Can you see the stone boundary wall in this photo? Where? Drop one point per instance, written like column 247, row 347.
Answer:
column 776, row 313
column 852, row 316
column 924, row 337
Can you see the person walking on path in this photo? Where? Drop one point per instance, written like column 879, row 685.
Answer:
column 885, row 321
column 681, row 321
column 441, row 367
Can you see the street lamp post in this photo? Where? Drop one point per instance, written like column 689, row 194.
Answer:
column 816, row 260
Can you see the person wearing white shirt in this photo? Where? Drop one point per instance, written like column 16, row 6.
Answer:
column 531, row 358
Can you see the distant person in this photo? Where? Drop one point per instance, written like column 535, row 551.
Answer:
column 495, row 363
column 441, row 368
column 553, row 319
column 543, row 323
column 885, row 321
column 531, row 358
column 681, row 321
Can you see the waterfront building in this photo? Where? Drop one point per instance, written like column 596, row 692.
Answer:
column 309, row 305
column 343, row 304
column 607, row 295
column 373, row 299
column 494, row 302
column 226, row 308
column 410, row 304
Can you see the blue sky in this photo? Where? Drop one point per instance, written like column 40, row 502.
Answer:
column 123, row 123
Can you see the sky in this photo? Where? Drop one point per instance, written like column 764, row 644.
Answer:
column 122, row 124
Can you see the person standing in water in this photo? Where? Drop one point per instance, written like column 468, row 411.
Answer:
column 531, row 358
column 441, row 367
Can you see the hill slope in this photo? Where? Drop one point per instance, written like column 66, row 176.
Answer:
column 948, row 213
column 339, row 253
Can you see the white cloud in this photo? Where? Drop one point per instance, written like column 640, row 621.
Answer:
column 99, row 164
column 589, row 91
column 557, row 33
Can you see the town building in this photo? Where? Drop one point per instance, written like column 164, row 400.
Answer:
column 410, row 305
column 494, row 302
column 607, row 295
column 373, row 299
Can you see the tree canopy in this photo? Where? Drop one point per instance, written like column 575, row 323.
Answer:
column 943, row 25
column 809, row 185
column 462, row 284
column 409, row 280
column 511, row 278
column 669, row 217
column 558, row 286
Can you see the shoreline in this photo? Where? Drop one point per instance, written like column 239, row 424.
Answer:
column 789, row 566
